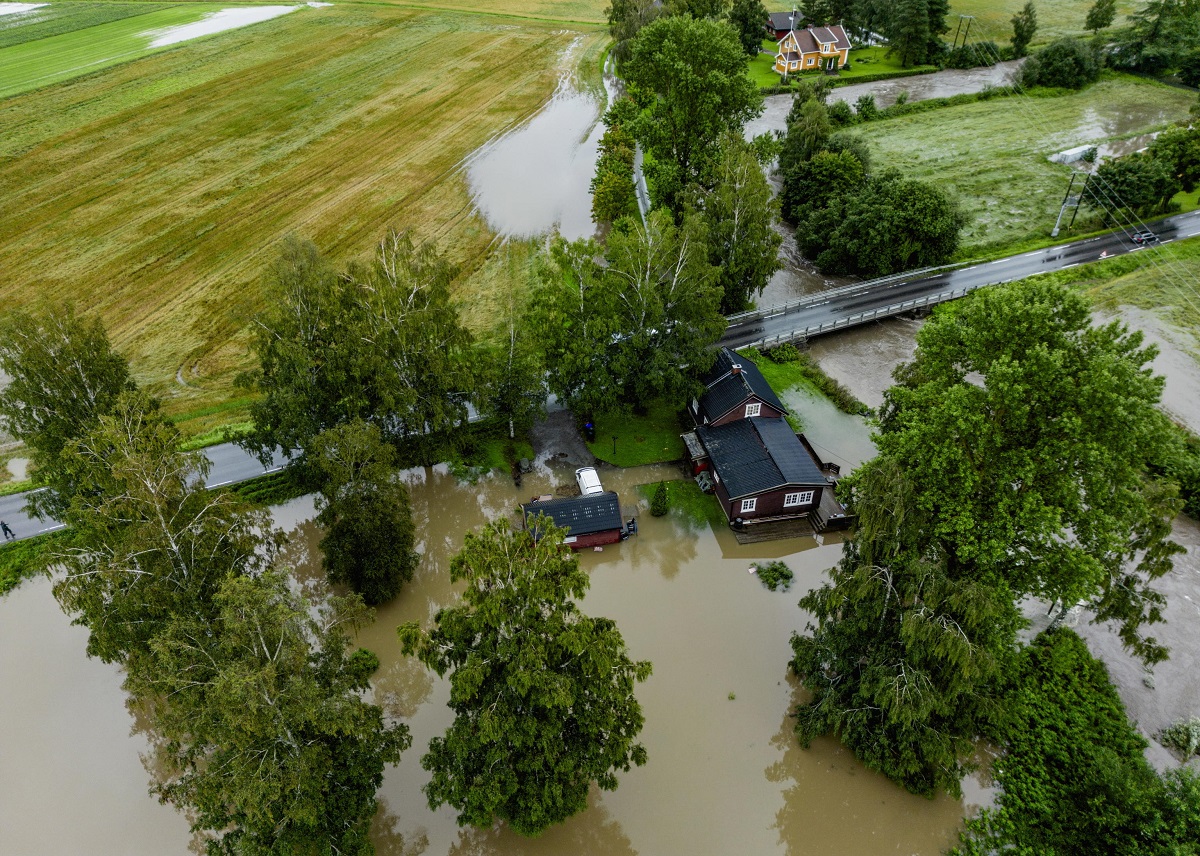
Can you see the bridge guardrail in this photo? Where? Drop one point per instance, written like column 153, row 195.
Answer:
column 803, row 333
column 829, row 294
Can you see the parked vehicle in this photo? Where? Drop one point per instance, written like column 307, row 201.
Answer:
column 588, row 481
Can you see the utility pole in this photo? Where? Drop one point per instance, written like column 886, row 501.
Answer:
column 959, row 29
column 1071, row 202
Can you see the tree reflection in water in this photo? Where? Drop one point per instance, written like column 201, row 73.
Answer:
column 593, row 832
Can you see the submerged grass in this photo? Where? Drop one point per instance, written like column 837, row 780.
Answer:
column 54, row 19
column 686, row 502
column 992, row 155
column 154, row 193
column 20, row 560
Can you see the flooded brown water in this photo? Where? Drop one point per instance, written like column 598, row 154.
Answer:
column 725, row 775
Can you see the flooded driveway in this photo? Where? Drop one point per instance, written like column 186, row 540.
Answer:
column 725, row 774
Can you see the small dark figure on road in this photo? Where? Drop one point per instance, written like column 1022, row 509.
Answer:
column 9, row 535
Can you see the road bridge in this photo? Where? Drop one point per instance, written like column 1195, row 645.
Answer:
column 861, row 303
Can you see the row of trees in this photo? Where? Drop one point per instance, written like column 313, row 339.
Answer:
column 254, row 693
column 848, row 218
column 1019, row 457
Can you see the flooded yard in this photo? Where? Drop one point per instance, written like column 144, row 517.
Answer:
column 725, row 774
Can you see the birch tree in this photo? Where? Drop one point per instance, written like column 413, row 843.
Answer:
column 64, row 375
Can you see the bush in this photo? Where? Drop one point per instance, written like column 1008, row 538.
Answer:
column 1183, row 737
column 973, row 55
column 865, row 107
column 774, row 575
column 1067, row 63
column 840, row 114
column 659, row 504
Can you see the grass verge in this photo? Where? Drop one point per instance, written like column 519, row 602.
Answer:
column 626, row 440
column 786, row 366
column 20, row 560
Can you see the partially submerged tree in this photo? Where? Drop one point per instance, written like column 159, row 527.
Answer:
column 364, row 506
column 542, row 694
column 64, row 375
column 149, row 542
column 1013, row 461
column 268, row 742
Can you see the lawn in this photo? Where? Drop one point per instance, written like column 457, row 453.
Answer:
column 155, row 191
column 993, row 18
column 872, row 61
column 631, row 441
column 992, row 154
column 91, row 47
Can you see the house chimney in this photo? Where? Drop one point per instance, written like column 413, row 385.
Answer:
column 735, row 369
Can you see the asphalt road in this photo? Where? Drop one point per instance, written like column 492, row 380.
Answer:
column 230, row 464
column 851, row 301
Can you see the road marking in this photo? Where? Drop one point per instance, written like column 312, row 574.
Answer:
column 1034, row 253
column 996, row 262
column 1071, row 265
column 220, row 484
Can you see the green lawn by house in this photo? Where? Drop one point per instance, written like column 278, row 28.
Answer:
column 650, row 439
column 873, row 62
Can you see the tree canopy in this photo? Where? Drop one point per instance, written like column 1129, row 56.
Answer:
column 1066, row 63
column 748, row 18
column 542, row 694
column 1100, row 15
column 1024, row 25
column 381, row 342
column 63, row 376
column 1014, row 456
column 689, row 78
column 364, row 507
column 267, row 739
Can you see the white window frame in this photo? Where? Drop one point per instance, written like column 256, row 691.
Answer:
column 802, row 497
column 748, row 505
column 754, row 408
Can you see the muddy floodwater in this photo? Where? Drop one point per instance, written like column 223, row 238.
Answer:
column 725, row 774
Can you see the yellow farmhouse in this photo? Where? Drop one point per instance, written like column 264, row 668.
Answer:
column 812, row 48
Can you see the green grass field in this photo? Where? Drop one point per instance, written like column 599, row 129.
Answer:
column 993, row 18
column 57, row 18
column 992, row 155
column 154, row 192
column 92, row 47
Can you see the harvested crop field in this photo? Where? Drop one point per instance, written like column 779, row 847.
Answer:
column 992, row 154
column 155, row 191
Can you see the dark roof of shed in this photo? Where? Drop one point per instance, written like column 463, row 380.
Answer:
column 726, row 391
column 753, row 456
column 580, row 515
column 783, row 20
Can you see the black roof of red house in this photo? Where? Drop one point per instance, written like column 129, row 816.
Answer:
column 580, row 515
column 727, row 390
column 784, row 20
column 755, row 455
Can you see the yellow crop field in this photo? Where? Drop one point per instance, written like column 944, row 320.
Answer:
column 155, row 192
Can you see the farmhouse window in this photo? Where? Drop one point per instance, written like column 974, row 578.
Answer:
column 803, row 497
column 753, row 409
column 812, row 60
column 748, row 505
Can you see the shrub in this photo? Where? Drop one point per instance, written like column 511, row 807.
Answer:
column 775, row 575
column 865, row 107
column 1183, row 737
column 1067, row 63
column 840, row 114
column 659, row 505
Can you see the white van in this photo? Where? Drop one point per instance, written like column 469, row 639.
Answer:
column 588, row 481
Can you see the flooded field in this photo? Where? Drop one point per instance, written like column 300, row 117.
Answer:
column 725, row 774
column 537, row 177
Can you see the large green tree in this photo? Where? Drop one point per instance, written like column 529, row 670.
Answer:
column 626, row 19
column 1066, row 63
column 1135, row 185
column 1013, row 461
column 1024, row 25
column 364, row 506
column 637, row 327
column 749, row 18
column 909, row 35
column 149, row 542
column 1100, row 15
column 63, row 376
column 689, row 77
column 1179, row 149
column 743, row 246
column 380, row 342
column 1158, row 36
column 890, row 224
column 542, row 694
column 267, row 741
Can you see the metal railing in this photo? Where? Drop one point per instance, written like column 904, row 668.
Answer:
column 802, row 334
